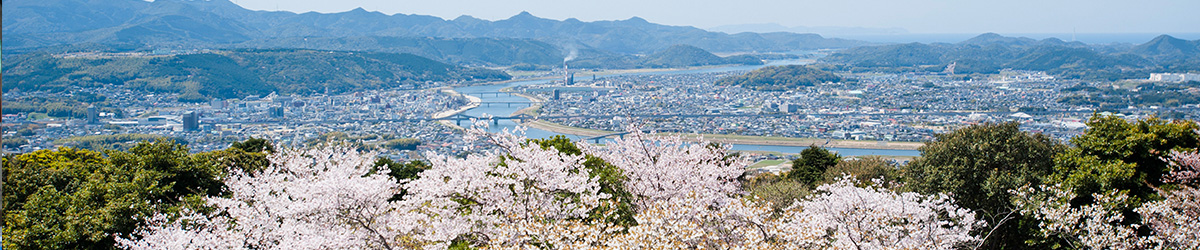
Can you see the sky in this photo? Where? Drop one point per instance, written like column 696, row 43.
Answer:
column 915, row 16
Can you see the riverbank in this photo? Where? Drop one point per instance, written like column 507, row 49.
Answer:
column 473, row 102
column 532, row 110
column 740, row 139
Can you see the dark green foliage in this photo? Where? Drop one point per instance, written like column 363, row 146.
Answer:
column 79, row 199
column 257, row 145
column 1117, row 155
column 237, row 158
column 402, row 144
column 781, row 78
column 611, row 179
column 238, row 73
column 811, row 166
column 401, row 172
column 867, row 170
column 978, row 165
column 780, row 192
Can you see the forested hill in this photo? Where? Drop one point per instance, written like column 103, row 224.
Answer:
column 686, row 56
column 780, row 78
column 988, row 53
column 236, row 73
column 39, row 23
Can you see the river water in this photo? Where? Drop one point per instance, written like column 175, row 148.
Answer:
column 505, row 110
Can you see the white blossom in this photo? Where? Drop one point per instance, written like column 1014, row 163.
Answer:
column 668, row 168
column 306, row 199
column 875, row 218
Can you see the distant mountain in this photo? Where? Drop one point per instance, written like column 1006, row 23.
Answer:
column 1166, row 47
column 686, row 55
column 996, row 39
column 237, row 73
column 909, row 54
column 989, row 53
column 466, row 51
column 993, row 39
column 220, row 23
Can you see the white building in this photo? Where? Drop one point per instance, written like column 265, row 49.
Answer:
column 1174, row 77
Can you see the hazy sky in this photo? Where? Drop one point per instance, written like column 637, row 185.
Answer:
column 916, row 16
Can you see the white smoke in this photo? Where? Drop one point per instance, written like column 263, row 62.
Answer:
column 571, row 54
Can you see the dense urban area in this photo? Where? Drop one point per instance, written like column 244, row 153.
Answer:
column 907, row 107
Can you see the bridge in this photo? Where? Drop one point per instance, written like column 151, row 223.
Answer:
column 489, row 104
column 459, row 118
column 596, row 139
column 481, row 94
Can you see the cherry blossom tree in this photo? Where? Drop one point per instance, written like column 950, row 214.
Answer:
column 1185, row 168
column 667, row 168
column 306, row 199
column 841, row 215
column 872, row 217
column 508, row 198
column 1176, row 219
column 1173, row 222
column 521, row 195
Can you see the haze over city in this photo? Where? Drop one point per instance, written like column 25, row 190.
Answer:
column 915, row 16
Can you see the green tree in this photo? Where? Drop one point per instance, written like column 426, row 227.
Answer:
column 867, row 170
column 402, row 144
column 611, row 179
column 254, row 145
column 812, row 164
column 249, row 155
column 978, row 165
column 401, row 171
column 78, row 199
column 1116, row 154
column 779, row 192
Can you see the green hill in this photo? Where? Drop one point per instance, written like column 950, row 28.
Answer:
column 237, row 73
column 910, row 54
column 780, row 78
column 687, row 56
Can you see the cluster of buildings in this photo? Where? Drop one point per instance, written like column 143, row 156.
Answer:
column 283, row 119
column 875, row 106
column 1174, row 77
column 887, row 107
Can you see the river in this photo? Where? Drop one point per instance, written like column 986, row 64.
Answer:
column 505, row 110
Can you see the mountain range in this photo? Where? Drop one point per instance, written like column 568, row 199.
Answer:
column 237, row 73
column 990, row 52
column 32, row 24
